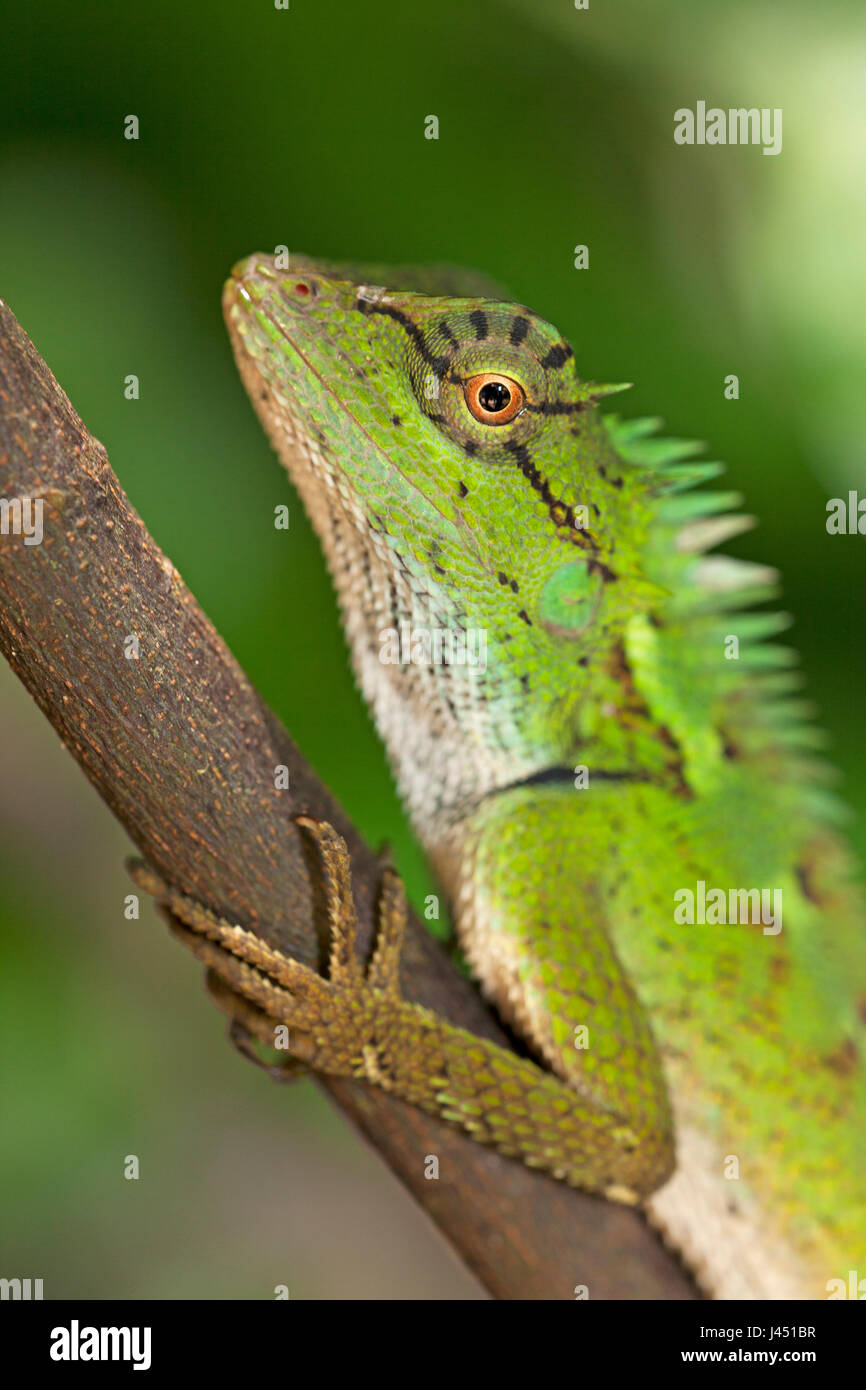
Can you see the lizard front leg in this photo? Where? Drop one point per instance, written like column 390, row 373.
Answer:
column 356, row 1023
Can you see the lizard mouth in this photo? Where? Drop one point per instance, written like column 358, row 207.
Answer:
column 564, row 776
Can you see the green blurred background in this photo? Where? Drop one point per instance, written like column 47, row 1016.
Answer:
column 306, row 127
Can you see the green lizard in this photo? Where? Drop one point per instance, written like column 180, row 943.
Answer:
column 586, row 758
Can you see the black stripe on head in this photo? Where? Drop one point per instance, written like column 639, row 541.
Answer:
column 561, row 514
column 519, row 330
column 558, row 355
column 439, row 364
column 446, row 333
column 478, row 319
column 557, row 407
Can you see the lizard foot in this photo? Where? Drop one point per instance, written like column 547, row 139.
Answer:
column 342, row 1025
column 356, row 1023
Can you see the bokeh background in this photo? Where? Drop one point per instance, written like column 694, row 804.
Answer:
column 306, row 127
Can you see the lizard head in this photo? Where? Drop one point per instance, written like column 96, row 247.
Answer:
column 462, row 482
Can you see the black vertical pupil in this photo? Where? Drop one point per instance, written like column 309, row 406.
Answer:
column 493, row 397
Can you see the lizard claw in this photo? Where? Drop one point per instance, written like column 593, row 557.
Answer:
column 344, row 967
column 244, row 1042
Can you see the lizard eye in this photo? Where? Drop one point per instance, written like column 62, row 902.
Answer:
column 493, row 399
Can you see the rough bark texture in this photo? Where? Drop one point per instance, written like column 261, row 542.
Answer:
column 183, row 750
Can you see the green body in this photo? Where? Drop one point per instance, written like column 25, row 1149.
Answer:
column 613, row 748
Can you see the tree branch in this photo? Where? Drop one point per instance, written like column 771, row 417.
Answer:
column 183, row 751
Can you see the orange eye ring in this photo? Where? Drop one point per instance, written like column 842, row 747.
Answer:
column 494, row 399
